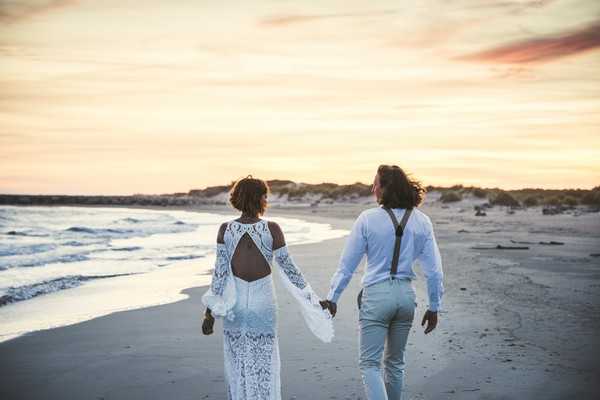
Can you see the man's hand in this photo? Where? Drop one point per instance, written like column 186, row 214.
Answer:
column 431, row 319
column 331, row 306
column 208, row 323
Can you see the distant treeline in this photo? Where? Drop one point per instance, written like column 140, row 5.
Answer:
column 327, row 192
column 66, row 200
column 528, row 197
column 297, row 191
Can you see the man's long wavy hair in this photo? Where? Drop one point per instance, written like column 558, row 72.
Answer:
column 397, row 189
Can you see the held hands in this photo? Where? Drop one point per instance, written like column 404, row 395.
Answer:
column 329, row 305
column 431, row 318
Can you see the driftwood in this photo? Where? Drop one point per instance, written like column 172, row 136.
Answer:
column 500, row 247
column 550, row 243
column 521, row 242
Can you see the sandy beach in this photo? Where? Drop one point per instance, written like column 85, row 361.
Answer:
column 516, row 324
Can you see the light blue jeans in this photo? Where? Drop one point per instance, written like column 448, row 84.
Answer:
column 386, row 315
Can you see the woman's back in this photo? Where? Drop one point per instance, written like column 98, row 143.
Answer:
column 251, row 247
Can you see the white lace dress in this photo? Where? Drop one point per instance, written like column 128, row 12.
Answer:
column 249, row 309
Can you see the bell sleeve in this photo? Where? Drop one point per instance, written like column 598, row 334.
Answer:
column 220, row 297
column 318, row 320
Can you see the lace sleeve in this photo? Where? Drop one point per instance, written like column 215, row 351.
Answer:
column 220, row 297
column 220, row 272
column 318, row 320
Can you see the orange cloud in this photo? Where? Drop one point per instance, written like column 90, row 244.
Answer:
column 542, row 49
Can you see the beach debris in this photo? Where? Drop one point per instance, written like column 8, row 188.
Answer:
column 595, row 255
column 479, row 211
column 4, row 300
column 500, row 247
column 553, row 210
column 463, row 231
column 494, row 231
column 550, row 243
column 463, row 288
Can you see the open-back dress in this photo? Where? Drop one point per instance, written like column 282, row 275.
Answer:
column 249, row 312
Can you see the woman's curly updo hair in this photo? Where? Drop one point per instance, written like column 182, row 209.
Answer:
column 246, row 193
column 397, row 189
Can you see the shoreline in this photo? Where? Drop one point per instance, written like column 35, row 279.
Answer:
column 99, row 297
column 506, row 330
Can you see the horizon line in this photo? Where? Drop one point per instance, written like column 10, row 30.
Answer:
column 435, row 187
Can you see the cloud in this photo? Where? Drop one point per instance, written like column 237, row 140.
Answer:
column 541, row 49
column 289, row 19
column 510, row 6
column 12, row 11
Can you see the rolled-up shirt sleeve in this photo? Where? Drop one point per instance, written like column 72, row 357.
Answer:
column 355, row 249
column 431, row 263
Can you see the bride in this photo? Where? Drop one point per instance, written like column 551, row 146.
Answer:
column 242, row 294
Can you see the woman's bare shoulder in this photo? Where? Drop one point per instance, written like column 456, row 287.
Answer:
column 277, row 234
column 221, row 234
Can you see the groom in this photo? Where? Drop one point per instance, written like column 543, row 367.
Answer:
column 387, row 301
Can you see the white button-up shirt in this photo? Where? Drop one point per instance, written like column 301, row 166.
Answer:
column 373, row 235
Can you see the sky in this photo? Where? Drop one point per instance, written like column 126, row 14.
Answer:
column 153, row 96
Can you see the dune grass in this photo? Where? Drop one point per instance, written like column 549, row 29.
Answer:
column 297, row 191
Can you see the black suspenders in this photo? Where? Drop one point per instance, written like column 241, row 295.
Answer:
column 399, row 231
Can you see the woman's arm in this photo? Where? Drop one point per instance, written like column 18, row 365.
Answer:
column 284, row 259
column 217, row 283
column 317, row 319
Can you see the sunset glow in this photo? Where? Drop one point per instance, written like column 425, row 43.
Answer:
column 123, row 97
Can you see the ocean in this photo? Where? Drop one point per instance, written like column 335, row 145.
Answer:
column 62, row 265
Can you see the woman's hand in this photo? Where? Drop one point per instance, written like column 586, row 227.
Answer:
column 431, row 318
column 208, row 323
